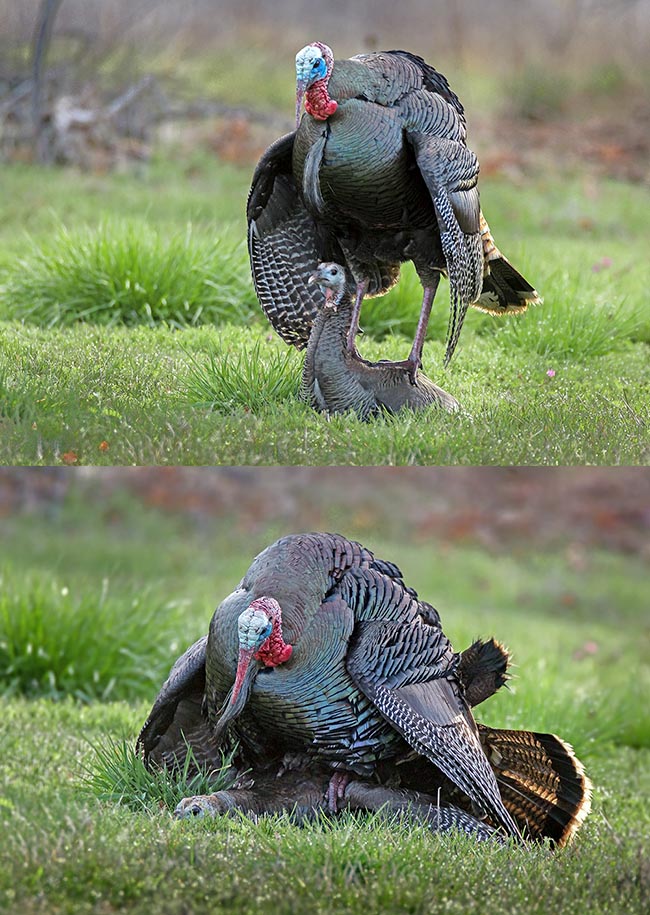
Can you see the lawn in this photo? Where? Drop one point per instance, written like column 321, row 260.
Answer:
column 130, row 333
column 78, row 583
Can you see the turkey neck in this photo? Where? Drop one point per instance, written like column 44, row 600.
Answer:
column 347, row 80
column 330, row 329
column 351, row 79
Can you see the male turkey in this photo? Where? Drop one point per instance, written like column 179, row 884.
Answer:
column 335, row 380
column 324, row 652
column 376, row 173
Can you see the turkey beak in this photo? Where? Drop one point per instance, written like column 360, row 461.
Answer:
column 247, row 668
column 314, row 278
column 301, row 88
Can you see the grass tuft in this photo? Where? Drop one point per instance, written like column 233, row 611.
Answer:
column 126, row 272
column 248, row 378
column 118, row 775
column 56, row 643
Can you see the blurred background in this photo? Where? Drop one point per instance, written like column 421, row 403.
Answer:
column 106, row 575
column 102, row 82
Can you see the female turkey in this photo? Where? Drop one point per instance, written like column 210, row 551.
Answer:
column 376, row 173
column 335, row 380
column 324, row 652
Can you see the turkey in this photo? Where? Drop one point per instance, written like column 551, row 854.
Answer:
column 334, row 380
column 376, row 173
column 324, row 654
column 302, row 794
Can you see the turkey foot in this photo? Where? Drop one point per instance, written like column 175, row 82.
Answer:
column 336, row 790
column 409, row 366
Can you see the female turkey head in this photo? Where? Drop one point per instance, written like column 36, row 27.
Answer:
column 331, row 279
column 314, row 65
column 259, row 629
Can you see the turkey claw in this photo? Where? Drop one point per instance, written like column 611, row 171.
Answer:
column 336, row 790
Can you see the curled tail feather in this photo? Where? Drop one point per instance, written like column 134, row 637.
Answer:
column 483, row 669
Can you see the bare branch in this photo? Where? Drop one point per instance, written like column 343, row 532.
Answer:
column 41, row 43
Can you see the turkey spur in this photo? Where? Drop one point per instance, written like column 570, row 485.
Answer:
column 324, row 660
column 376, row 173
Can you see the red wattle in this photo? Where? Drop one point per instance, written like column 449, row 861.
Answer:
column 318, row 102
column 275, row 650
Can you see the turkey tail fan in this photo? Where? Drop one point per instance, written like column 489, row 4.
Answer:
column 504, row 289
column 542, row 783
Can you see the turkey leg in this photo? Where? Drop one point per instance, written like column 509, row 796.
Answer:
column 414, row 361
column 421, row 808
column 353, row 330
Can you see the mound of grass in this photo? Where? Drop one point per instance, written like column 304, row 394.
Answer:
column 118, row 775
column 250, row 377
column 126, row 272
column 54, row 642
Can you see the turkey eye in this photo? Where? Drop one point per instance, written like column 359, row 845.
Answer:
column 315, row 65
column 334, row 271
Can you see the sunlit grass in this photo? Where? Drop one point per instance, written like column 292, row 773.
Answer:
column 153, row 395
column 117, row 775
column 249, row 377
column 128, row 273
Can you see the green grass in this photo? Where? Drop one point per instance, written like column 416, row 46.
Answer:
column 65, row 850
column 247, row 378
column 116, row 774
column 163, row 250
column 55, row 641
column 127, row 273
column 134, row 392
column 67, row 853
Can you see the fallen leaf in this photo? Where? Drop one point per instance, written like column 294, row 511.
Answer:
column 69, row 457
column 103, row 446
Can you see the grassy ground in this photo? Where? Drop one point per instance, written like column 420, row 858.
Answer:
column 576, row 631
column 129, row 338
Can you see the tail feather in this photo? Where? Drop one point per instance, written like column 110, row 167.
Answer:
column 504, row 289
column 542, row 783
column 483, row 669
